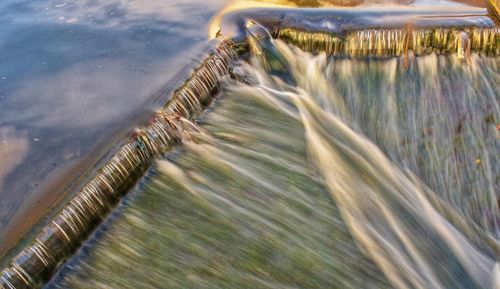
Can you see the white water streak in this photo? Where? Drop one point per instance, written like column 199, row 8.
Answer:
column 388, row 210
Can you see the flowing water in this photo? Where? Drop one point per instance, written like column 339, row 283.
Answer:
column 332, row 173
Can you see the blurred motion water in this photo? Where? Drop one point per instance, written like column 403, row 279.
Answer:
column 74, row 76
column 334, row 173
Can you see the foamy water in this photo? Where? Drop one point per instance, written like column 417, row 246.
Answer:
column 333, row 173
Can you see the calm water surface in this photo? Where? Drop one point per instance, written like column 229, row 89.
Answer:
column 74, row 77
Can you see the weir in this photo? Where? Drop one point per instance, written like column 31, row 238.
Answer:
column 336, row 32
column 334, row 173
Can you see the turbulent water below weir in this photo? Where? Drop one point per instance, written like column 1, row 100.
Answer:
column 362, row 174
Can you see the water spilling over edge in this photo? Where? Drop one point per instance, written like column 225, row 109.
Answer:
column 399, row 175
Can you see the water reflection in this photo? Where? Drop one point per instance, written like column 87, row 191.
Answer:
column 74, row 75
column 13, row 148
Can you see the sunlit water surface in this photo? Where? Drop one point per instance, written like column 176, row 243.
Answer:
column 337, row 173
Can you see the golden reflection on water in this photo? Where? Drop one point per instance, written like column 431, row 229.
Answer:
column 328, row 3
column 215, row 24
column 336, row 3
column 239, row 5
